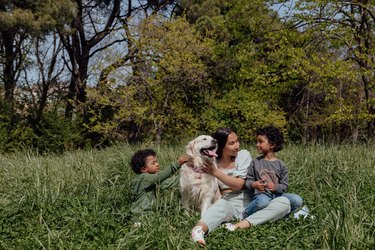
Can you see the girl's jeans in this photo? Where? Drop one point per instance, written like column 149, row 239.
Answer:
column 261, row 201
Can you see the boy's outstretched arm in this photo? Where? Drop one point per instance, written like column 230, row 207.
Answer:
column 173, row 181
column 168, row 171
column 183, row 159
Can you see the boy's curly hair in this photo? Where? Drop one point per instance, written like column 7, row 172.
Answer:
column 274, row 136
column 138, row 160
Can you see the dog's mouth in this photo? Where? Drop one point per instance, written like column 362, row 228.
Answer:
column 209, row 152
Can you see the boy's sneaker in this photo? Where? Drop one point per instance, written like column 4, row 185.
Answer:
column 230, row 227
column 197, row 235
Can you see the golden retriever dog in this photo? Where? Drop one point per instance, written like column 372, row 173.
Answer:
column 199, row 190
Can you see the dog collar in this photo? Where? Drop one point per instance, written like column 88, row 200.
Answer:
column 191, row 165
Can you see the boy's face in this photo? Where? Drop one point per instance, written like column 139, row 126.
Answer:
column 263, row 145
column 151, row 166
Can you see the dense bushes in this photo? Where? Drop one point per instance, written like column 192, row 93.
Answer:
column 52, row 133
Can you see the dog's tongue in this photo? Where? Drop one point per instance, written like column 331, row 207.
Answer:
column 211, row 153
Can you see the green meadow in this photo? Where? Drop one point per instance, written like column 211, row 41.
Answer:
column 80, row 200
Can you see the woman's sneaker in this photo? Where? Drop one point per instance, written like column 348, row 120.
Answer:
column 197, row 235
column 230, row 227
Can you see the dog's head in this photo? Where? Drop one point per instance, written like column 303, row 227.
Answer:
column 202, row 146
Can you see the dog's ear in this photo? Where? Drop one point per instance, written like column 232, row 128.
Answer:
column 190, row 148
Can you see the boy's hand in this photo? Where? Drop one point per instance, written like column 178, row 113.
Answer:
column 259, row 185
column 183, row 159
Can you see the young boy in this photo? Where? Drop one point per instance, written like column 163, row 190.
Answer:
column 143, row 187
column 267, row 176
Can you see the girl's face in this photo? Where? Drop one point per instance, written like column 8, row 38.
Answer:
column 263, row 145
column 232, row 146
column 151, row 166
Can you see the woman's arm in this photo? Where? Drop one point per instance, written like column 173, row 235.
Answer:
column 235, row 183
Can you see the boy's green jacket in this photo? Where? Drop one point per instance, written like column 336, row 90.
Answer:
column 144, row 186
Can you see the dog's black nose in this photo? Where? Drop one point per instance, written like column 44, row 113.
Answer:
column 214, row 140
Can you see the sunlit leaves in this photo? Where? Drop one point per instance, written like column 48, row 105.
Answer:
column 165, row 91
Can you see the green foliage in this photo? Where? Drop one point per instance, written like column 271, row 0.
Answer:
column 343, row 58
column 299, row 65
column 241, row 110
column 35, row 16
column 165, row 97
column 82, row 199
column 310, row 72
column 52, row 134
column 207, row 16
column 12, row 134
column 57, row 134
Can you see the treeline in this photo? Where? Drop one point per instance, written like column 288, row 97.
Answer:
column 87, row 73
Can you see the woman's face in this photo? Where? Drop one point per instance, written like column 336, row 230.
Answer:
column 232, row 146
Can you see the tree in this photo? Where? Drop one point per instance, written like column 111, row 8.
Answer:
column 164, row 95
column 87, row 36
column 19, row 21
column 346, row 30
column 86, row 31
column 22, row 25
column 249, row 67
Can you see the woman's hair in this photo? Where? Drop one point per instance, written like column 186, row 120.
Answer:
column 221, row 135
column 138, row 160
column 274, row 135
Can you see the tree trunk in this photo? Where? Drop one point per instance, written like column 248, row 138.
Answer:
column 9, row 76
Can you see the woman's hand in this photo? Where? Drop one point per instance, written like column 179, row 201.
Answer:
column 208, row 166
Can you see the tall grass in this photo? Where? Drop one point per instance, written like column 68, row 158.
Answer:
column 81, row 200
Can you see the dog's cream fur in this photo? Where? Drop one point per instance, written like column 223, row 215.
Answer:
column 199, row 190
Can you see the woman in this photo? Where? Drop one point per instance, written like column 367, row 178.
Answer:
column 232, row 166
